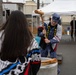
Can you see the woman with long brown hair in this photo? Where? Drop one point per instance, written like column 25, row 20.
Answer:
column 18, row 47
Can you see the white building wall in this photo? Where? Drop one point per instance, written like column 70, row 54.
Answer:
column 29, row 6
column 10, row 7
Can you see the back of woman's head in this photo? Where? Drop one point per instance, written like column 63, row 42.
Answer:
column 17, row 36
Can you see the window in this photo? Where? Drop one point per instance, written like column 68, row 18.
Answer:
column 3, row 13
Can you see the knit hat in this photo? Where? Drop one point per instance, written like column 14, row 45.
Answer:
column 55, row 17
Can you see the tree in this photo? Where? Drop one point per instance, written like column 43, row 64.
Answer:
column 1, row 17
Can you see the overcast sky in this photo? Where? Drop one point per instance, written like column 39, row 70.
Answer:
column 45, row 1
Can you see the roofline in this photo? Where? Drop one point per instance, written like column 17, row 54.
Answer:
column 12, row 3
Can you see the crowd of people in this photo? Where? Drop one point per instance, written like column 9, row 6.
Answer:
column 20, row 53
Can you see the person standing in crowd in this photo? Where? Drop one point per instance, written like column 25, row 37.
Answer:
column 19, row 52
column 73, row 28
column 53, row 36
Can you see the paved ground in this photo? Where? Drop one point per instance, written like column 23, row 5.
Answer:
column 68, row 50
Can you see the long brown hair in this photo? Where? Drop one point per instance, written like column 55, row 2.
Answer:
column 17, row 36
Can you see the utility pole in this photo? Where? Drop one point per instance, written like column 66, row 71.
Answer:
column 38, row 4
column 1, row 17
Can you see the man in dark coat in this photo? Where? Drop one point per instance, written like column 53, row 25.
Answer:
column 73, row 27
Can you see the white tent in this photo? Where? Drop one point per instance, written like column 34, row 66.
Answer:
column 62, row 7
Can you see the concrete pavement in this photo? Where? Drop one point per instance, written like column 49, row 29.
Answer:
column 68, row 49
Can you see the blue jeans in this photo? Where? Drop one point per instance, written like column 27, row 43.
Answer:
column 44, row 53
